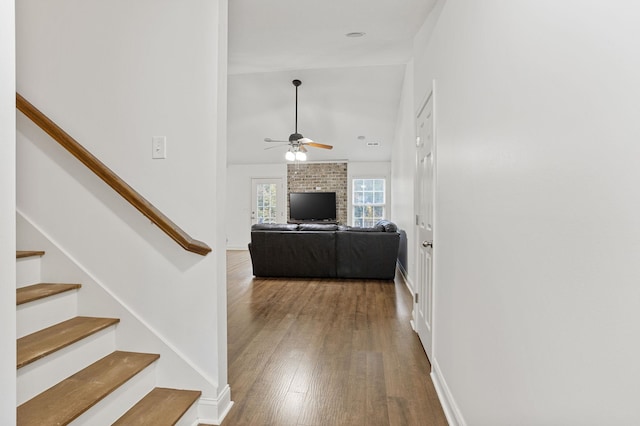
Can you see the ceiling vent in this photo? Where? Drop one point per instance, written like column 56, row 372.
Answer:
column 373, row 144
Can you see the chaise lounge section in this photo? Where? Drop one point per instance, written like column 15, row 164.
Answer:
column 315, row 250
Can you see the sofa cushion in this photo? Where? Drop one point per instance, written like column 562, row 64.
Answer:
column 317, row 227
column 275, row 227
column 367, row 255
column 293, row 254
column 388, row 226
column 356, row 229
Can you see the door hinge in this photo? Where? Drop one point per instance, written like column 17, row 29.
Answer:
column 416, row 298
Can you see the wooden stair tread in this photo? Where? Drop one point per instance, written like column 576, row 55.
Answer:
column 39, row 291
column 44, row 342
column 28, row 253
column 160, row 407
column 67, row 400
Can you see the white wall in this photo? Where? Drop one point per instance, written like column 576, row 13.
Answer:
column 537, row 240
column 7, row 214
column 403, row 167
column 239, row 198
column 114, row 75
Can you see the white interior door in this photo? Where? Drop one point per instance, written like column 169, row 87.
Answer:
column 267, row 201
column 423, row 309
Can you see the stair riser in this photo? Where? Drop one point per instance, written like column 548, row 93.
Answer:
column 190, row 418
column 39, row 314
column 46, row 372
column 28, row 271
column 110, row 409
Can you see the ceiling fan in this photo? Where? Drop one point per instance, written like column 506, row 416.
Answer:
column 297, row 143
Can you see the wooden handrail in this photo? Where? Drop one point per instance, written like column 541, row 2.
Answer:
column 111, row 179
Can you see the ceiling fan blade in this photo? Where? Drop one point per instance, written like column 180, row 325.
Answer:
column 318, row 145
column 277, row 146
column 274, row 140
column 303, row 149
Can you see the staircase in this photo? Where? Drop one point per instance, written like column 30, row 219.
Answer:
column 69, row 369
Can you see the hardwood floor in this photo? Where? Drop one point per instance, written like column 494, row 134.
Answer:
column 324, row 352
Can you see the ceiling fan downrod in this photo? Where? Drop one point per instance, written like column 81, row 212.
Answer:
column 296, row 136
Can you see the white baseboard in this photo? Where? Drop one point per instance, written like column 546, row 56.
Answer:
column 407, row 282
column 405, row 278
column 213, row 411
column 451, row 410
column 238, row 248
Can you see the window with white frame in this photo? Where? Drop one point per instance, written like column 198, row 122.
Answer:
column 368, row 201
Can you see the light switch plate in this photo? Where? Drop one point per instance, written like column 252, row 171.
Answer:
column 159, row 147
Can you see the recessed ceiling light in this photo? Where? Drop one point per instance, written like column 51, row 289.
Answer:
column 355, row 34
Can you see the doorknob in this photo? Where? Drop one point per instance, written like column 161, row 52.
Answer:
column 427, row 244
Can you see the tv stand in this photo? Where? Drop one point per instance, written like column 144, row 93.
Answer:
column 328, row 222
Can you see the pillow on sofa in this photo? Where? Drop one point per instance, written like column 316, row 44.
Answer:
column 317, row 227
column 275, row 227
column 356, row 229
column 388, row 226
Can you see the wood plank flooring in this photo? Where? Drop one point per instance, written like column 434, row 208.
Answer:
column 306, row 352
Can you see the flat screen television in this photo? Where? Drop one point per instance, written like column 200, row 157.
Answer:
column 312, row 206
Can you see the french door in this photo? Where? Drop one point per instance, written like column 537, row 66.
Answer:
column 267, row 201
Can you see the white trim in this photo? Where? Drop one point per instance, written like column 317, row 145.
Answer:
column 319, row 162
column 409, row 284
column 238, row 248
column 213, row 411
column 426, row 98
column 434, row 251
column 449, row 406
column 405, row 278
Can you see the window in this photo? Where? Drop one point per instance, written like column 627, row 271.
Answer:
column 368, row 201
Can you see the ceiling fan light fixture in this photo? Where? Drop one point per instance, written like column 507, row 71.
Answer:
column 297, row 142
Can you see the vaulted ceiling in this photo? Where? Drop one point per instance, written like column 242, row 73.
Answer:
column 350, row 85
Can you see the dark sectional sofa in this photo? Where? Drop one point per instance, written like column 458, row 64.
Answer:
column 324, row 250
